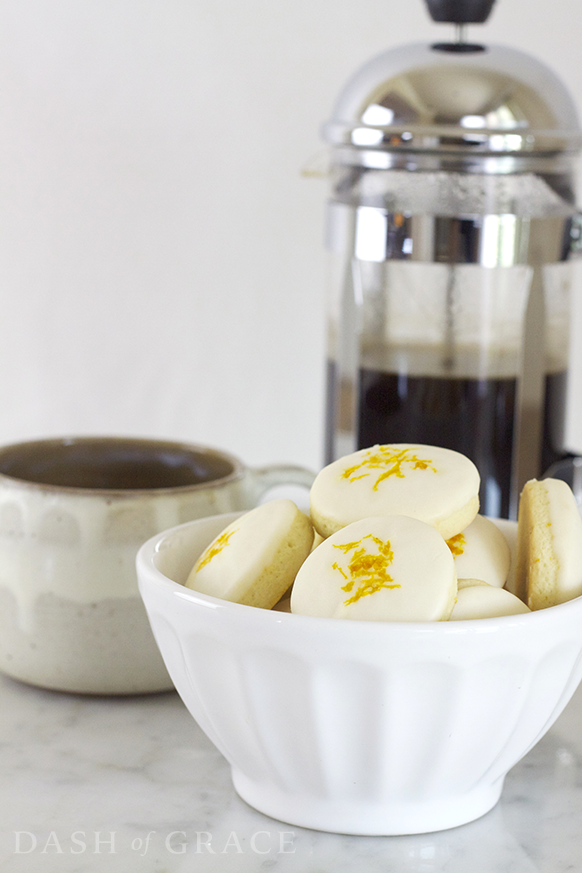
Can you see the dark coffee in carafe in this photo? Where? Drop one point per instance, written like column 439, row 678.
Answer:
column 472, row 416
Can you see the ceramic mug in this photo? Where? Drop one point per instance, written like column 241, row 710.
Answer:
column 73, row 513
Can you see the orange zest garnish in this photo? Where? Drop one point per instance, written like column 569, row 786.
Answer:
column 215, row 548
column 369, row 570
column 389, row 462
column 457, row 544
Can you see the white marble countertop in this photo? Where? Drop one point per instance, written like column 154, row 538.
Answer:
column 132, row 784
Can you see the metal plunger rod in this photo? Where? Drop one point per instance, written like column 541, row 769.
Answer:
column 460, row 33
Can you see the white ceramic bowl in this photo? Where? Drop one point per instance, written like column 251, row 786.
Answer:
column 358, row 727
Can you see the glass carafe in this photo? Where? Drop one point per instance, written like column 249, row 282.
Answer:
column 450, row 229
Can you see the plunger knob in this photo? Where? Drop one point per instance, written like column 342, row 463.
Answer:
column 460, row 11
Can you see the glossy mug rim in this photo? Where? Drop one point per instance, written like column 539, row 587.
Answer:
column 237, row 471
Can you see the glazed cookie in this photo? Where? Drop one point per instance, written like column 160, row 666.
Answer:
column 435, row 485
column 391, row 568
column 481, row 552
column 477, row 599
column 509, row 530
column 255, row 559
column 549, row 544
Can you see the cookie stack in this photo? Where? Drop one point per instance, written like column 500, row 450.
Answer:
column 394, row 535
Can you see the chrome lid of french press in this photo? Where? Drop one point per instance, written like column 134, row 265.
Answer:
column 458, row 104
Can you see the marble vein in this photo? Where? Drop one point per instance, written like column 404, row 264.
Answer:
column 132, row 785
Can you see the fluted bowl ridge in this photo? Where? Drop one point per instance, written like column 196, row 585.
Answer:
column 353, row 726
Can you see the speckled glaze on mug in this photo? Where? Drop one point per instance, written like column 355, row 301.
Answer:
column 73, row 513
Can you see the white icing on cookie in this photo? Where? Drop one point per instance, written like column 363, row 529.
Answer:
column 481, row 552
column 392, row 568
column 254, row 560
column 480, row 600
column 509, row 530
column 435, row 485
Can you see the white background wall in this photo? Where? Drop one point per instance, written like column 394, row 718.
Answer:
column 161, row 261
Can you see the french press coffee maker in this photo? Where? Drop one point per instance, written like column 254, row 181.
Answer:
column 451, row 228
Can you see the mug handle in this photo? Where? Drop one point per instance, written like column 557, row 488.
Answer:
column 272, row 475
